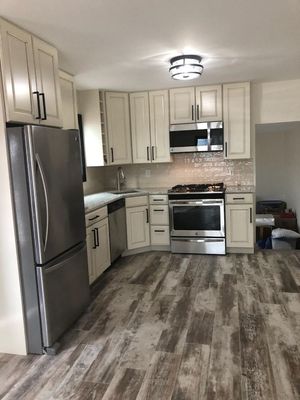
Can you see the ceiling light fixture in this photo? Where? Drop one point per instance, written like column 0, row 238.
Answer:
column 186, row 67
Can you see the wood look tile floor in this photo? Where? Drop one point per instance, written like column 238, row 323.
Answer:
column 177, row 327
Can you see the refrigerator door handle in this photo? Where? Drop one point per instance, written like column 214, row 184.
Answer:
column 44, row 183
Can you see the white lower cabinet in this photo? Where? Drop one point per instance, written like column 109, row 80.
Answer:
column 239, row 222
column 98, row 247
column 137, row 221
column 159, row 219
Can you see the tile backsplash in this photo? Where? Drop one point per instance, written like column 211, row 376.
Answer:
column 185, row 168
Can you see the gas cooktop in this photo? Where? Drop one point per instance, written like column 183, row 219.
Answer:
column 198, row 188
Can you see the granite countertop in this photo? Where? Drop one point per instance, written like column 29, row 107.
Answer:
column 240, row 189
column 98, row 200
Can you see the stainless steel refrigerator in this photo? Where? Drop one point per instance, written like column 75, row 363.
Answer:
column 50, row 227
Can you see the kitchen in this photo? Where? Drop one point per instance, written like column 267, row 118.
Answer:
column 274, row 98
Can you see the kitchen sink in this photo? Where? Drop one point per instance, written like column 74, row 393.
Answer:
column 126, row 191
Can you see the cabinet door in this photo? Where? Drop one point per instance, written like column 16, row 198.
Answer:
column 118, row 127
column 209, row 103
column 69, row 101
column 140, row 127
column 46, row 66
column 159, row 126
column 18, row 74
column 182, row 105
column 239, row 225
column 102, row 252
column 88, row 104
column 137, row 220
column 236, row 106
column 91, row 246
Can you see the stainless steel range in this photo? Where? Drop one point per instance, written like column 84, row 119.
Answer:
column 197, row 218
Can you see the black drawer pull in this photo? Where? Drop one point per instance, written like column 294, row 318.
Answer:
column 239, row 198
column 158, row 199
column 92, row 219
column 157, row 209
column 159, row 230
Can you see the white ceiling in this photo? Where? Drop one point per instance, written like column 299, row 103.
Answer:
column 126, row 44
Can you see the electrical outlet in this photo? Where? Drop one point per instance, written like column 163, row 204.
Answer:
column 147, row 173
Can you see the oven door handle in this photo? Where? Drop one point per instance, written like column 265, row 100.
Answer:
column 196, row 203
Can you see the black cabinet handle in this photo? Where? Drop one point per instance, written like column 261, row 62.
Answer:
column 250, row 215
column 92, row 219
column 225, row 149
column 95, row 238
column 159, row 230
column 97, row 232
column 158, row 209
column 148, row 156
column 147, row 215
column 158, row 199
column 192, row 113
column 112, row 154
column 153, row 153
column 44, row 106
column 238, row 198
column 198, row 112
column 38, row 104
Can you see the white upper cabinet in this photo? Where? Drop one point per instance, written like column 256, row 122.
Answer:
column 69, row 101
column 140, row 127
column 149, row 113
column 182, row 105
column 236, row 108
column 196, row 104
column 18, row 74
column 30, row 78
column 209, row 103
column 46, row 65
column 118, row 127
column 159, row 126
column 89, row 108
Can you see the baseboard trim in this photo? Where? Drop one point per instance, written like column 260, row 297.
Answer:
column 240, row 250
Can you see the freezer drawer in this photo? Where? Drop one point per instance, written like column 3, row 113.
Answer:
column 63, row 293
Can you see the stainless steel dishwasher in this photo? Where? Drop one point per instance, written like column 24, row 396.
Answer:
column 117, row 228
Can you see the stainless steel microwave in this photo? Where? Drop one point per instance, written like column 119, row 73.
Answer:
column 196, row 137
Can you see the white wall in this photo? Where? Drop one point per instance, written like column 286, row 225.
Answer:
column 278, row 163
column 12, row 335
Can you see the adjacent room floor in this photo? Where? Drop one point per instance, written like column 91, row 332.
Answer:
column 165, row 326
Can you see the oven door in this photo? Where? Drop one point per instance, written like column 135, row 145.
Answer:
column 197, row 217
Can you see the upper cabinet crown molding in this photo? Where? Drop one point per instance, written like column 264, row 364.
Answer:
column 236, row 107
column 69, row 100
column 30, row 77
column 196, row 104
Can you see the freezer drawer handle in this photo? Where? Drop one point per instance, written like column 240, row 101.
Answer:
column 38, row 104
column 38, row 161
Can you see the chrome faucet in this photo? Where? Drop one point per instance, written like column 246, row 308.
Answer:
column 120, row 178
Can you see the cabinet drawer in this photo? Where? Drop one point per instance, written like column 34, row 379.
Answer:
column 239, row 198
column 136, row 201
column 160, row 235
column 158, row 199
column 159, row 215
column 95, row 216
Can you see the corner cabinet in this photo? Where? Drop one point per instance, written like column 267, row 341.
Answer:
column 196, row 104
column 239, row 222
column 237, row 132
column 30, row 78
column 149, row 113
column 118, row 128
column 98, row 245
column 137, row 221
column 69, row 100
